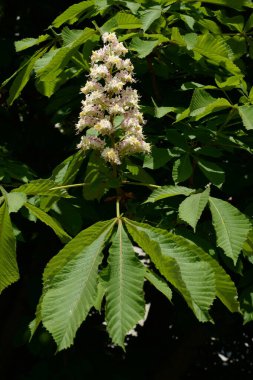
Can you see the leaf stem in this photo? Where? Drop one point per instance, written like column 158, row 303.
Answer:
column 141, row 184
column 68, row 186
column 118, row 207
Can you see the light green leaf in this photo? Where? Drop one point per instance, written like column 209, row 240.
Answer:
column 182, row 169
column 149, row 16
column 203, row 104
column 142, row 47
column 191, row 208
column 229, row 83
column 121, row 20
column 212, row 171
column 231, row 227
column 125, row 305
column 23, row 77
column 72, row 13
column 215, row 50
column 16, row 201
column 29, row 42
column 70, row 283
column 51, row 64
column 8, row 264
column 178, row 261
column 48, row 220
column 42, row 187
column 168, row 191
column 151, row 240
column 159, row 283
column 246, row 113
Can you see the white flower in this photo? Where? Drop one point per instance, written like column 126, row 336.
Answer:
column 104, row 127
column 111, row 155
column 110, row 107
column 91, row 142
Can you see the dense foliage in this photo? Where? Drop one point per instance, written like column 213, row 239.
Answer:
column 179, row 218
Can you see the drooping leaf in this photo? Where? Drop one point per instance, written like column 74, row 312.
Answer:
column 159, row 283
column 70, row 283
column 160, row 244
column 212, row 171
column 246, row 113
column 178, row 261
column 191, row 208
column 231, row 227
column 182, row 169
column 72, row 13
column 48, row 220
column 29, row 42
column 168, row 191
column 124, row 294
column 8, row 264
column 23, row 77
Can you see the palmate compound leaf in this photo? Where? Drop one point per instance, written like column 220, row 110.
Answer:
column 186, row 266
column 70, row 283
column 125, row 305
column 8, row 264
column 231, row 227
column 191, row 208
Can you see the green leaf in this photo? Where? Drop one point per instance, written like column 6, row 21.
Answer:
column 51, row 64
column 72, row 13
column 212, row 171
column 8, row 264
column 156, row 242
column 231, row 227
column 159, row 283
column 178, row 261
column 42, row 187
column 182, row 169
column 203, row 104
column 125, row 305
column 168, row 191
column 246, row 113
column 149, row 16
column 23, row 77
column 49, row 221
column 15, row 201
column 249, row 23
column 215, row 50
column 191, row 208
column 121, row 20
column 158, row 158
column 29, row 42
column 246, row 301
column 142, row 47
column 235, row 4
column 70, row 283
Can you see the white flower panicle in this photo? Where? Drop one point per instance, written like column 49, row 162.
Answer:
column 108, row 98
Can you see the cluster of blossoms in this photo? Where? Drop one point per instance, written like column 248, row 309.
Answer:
column 110, row 109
